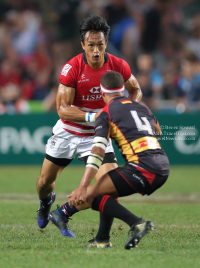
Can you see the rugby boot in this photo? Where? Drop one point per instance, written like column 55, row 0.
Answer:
column 93, row 243
column 137, row 232
column 43, row 211
column 62, row 222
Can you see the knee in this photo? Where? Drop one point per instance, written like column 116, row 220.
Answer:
column 44, row 180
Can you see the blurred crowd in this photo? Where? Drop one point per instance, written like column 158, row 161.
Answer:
column 160, row 39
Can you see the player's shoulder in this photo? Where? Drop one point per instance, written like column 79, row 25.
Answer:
column 115, row 61
column 147, row 108
column 77, row 60
column 119, row 65
column 74, row 65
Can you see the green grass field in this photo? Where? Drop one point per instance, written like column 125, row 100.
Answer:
column 174, row 209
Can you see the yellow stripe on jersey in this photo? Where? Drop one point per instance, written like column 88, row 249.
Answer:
column 125, row 146
column 126, row 101
column 145, row 143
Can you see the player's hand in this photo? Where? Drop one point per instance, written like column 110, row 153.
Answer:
column 89, row 198
column 77, row 197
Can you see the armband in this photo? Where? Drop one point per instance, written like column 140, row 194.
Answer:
column 94, row 161
column 90, row 117
column 100, row 142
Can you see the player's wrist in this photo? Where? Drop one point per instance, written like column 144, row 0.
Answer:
column 90, row 117
column 84, row 183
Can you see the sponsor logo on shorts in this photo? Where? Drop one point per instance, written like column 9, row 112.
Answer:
column 140, row 180
column 52, row 143
column 99, row 127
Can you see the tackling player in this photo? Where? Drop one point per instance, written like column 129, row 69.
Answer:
column 78, row 102
column 133, row 127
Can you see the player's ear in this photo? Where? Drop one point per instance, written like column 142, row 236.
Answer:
column 103, row 95
column 83, row 46
column 106, row 44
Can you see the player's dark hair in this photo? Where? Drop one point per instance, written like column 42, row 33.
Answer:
column 112, row 80
column 94, row 24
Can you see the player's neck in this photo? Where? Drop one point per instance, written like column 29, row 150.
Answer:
column 111, row 97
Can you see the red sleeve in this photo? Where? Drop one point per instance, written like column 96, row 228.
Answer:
column 123, row 68
column 68, row 74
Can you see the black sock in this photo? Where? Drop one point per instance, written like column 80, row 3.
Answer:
column 104, row 227
column 68, row 211
column 45, row 201
column 109, row 206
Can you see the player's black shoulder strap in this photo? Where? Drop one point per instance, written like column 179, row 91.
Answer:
column 84, row 58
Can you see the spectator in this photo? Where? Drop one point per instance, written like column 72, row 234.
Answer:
column 115, row 11
column 23, row 31
column 37, row 39
column 152, row 27
column 188, row 86
column 193, row 43
column 170, row 81
column 150, row 80
column 9, row 74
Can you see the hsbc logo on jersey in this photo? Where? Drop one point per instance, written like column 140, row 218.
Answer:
column 91, row 97
column 66, row 69
column 95, row 94
column 95, row 90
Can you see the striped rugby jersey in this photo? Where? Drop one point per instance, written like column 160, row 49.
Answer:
column 86, row 81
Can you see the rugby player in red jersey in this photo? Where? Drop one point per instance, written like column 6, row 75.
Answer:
column 134, row 129
column 78, row 102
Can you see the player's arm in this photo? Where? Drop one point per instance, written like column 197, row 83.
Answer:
column 64, row 99
column 133, row 88
column 94, row 161
column 158, row 131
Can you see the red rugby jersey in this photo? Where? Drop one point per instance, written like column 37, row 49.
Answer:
column 86, row 81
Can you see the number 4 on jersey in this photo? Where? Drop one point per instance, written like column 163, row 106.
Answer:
column 140, row 125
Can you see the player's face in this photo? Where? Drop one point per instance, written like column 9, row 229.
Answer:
column 94, row 46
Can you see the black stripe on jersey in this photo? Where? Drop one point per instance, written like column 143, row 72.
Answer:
column 106, row 57
column 84, row 58
column 67, row 85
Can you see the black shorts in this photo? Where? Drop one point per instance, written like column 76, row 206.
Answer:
column 109, row 158
column 129, row 180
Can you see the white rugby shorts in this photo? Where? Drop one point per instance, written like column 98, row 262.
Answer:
column 66, row 145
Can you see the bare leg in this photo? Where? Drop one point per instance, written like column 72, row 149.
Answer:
column 105, row 225
column 45, row 186
column 105, row 168
column 46, row 180
column 108, row 205
column 102, row 171
column 104, row 186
